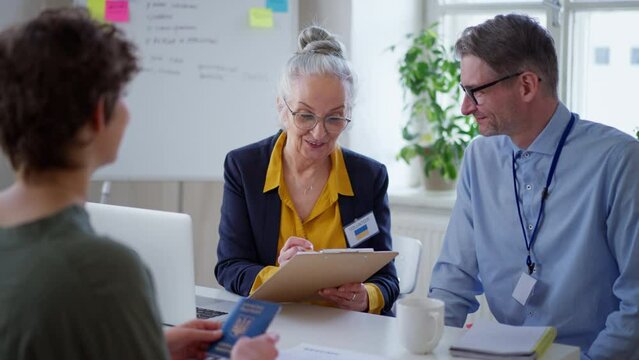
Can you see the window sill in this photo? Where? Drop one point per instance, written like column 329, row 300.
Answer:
column 420, row 200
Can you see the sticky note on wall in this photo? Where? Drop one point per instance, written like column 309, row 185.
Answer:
column 117, row 11
column 277, row 5
column 260, row 18
column 96, row 9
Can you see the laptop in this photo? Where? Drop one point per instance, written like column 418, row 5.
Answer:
column 164, row 241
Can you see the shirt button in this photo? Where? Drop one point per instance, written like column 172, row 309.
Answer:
column 528, row 187
column 526, row 154
column 531, row 313
column 530, row 227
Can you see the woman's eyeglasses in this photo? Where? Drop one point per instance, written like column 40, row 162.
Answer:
column 306, row 121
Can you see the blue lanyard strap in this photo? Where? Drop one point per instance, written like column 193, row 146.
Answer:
column 544, row 193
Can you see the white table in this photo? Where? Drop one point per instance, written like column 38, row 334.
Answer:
column 360, row 332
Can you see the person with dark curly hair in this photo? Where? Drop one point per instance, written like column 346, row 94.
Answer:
column 65, row 292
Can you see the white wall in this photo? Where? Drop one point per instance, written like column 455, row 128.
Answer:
column 378, row 116
column 12, row 12
column 368, row 28
column 6, row 174
column 334, row 15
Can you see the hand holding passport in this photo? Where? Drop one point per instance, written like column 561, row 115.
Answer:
column 249, row 318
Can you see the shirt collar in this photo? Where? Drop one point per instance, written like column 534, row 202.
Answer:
column 274, row 170
column 338, row 180
column 546, row 142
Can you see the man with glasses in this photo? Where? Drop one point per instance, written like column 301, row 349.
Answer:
column 298, row 190
column 546, row 222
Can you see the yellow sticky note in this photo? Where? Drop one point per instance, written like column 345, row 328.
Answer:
column 260, row 18
column 97, row 8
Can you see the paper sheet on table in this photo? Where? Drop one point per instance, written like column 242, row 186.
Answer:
column 315, row 352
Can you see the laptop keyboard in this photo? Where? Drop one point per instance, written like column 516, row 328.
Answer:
column 202, row 313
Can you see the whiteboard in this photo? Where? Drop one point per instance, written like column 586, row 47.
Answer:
column 208, row 85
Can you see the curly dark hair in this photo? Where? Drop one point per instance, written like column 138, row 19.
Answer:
column 53, row 71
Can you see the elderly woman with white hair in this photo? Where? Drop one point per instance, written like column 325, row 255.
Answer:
column 299, row 190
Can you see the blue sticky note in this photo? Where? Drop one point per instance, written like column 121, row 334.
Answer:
column 277, row 5
column 249, row 318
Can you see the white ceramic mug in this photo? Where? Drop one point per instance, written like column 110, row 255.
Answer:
column 421, row 323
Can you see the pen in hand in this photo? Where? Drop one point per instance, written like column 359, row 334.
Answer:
column 292, row 246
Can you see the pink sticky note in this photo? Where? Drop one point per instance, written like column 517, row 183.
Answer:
column 117, row 11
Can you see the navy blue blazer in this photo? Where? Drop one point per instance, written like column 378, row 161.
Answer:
column 250, row 220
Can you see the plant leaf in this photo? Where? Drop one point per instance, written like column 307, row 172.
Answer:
column 435, row 130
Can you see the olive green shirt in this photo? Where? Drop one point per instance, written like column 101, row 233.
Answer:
column 67, row 293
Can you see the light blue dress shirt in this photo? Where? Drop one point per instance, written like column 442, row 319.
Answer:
column 587, row 246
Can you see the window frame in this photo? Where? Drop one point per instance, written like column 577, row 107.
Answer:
column 561, row 23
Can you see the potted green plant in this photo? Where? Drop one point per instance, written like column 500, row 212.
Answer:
column 436, row 133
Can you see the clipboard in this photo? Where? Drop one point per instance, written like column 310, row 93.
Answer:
column 306, row 273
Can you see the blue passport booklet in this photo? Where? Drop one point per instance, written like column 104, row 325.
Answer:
column 249, row 318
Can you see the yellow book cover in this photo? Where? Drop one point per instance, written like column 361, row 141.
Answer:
column 546, row 340
column 492, row 340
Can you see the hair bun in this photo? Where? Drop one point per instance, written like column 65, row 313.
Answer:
column 315, row 39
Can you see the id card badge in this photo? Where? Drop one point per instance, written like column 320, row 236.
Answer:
column 361, row 229
column 524, row 288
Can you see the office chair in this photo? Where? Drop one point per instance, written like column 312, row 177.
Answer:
column 407, row 262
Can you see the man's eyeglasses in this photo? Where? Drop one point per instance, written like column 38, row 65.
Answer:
column 306, row 121
column 471, row 91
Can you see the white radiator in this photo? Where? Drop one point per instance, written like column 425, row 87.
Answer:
column 430, row 230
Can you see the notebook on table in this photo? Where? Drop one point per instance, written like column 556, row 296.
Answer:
column 492, row 340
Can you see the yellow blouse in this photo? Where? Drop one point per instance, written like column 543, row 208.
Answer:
column 323, row 227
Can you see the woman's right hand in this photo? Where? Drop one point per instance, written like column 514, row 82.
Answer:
column 291, row 247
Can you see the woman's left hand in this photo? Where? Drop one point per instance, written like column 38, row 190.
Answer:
column 348, row 296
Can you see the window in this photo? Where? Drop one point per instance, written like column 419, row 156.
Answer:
column 634, row 56
column 596, row 44
column 602, row 55
column 598, row 91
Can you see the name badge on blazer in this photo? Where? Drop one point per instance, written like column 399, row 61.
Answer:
column 361, row 229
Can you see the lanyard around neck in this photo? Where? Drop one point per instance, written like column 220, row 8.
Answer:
column 544, row 193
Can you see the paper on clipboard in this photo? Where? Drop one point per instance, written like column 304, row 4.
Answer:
column 306, row 273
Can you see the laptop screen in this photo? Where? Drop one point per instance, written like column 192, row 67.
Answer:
column 164, row 241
